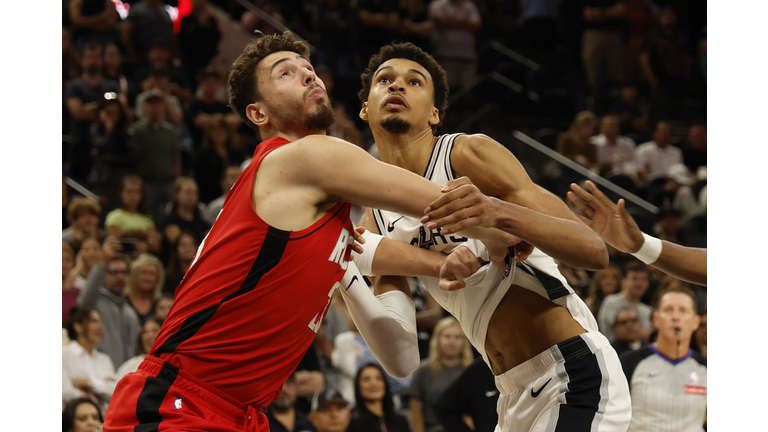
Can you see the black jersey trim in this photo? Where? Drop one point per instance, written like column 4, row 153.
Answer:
column 151, row 398
column 554, row 287
column 582, row 400
column 449, row 172
column 378, row 219
column 269, row 256
column 287, row 234
column 433, row 158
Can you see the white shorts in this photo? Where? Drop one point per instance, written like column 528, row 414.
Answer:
column 576, row 385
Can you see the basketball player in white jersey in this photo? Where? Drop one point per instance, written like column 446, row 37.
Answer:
column 554, row 370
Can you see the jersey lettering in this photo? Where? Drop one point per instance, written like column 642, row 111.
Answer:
column 435, row 238
column 340, row 253
column 314, row 325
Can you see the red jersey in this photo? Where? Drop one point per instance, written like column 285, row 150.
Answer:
column 251, row 303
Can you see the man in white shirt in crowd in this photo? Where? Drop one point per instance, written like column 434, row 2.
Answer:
column 613, row 150
column 654, row 158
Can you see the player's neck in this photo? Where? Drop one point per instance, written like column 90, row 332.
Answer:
column 410, row 150
column 631, row 298
column 87, row 346
column 291, row 134
column 671, row 349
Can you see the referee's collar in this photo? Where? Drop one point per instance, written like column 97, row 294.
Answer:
column 674, row 362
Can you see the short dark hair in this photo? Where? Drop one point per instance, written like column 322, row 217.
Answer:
column 243, row 84
column 68, row 415
column 140, row 346
column 387, row 403
column 682, row 288
column 411, row 52
column 636, row 266
column 79, row 315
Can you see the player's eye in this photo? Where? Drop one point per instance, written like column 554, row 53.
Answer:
column 384, row 80
column 415, row 82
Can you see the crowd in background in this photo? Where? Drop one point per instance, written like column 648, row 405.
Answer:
column 147, row 129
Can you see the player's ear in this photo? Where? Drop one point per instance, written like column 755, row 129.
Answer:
column 364, row 111
column 257, row 113
column 435, row 117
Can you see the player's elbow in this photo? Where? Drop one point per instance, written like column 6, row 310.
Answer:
column 405, row 363
column 597, row 257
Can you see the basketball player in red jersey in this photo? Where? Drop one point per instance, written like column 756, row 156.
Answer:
column 262, row 281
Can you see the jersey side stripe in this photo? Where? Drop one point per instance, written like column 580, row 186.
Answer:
column 377, row 218
column 448, row 166
column 434, row 158
column 585, row 379
column 269, row 256
column 151, row 397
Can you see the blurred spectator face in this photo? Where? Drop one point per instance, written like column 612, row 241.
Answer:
column 113, row 111
column 230, row 177
column 676, row 310
column 158, row 55
column 627, row 326
column 86, row 418
column 586, row 129
column 92, row 329
column 160, row 81
column 86, row 222
column 219, row 133
column 697, row 136
column 629, row 94
column 332, row 417
column 610, row 127
column 209, row 85
column 154, row 110
column 608, row 282
column 452, row 341
column 130, row 195
column 287, row 398
column 148, row 334
column 670, row 224
column 636, row 282
column 372, row 386
column 117, row 275
column 147, row 278
column 67, row 262
column 162, row 307
column 668, row 19
column 662, row 134
column 188, row 194
column 92, row 61
column 112, row 58
column 91, row 250
column 187, row 247
column 249, row 21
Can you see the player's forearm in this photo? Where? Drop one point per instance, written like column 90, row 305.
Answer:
column 568, row 241
column 688, row 264
column 395, row 258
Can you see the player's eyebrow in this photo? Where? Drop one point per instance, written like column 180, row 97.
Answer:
column 409, row 70
column 285, row 60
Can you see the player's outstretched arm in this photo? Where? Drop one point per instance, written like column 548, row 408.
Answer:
column 615, row 225
column 523, row 208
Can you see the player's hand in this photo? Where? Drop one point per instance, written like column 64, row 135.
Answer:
column 109, row 249
column 358, row 232
column 611, row 221
column 81, row 383
column 459, row 265
column 461, row 206
column 522, row 251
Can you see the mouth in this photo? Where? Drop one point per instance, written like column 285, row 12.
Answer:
column 316, row 93
column 395, row 102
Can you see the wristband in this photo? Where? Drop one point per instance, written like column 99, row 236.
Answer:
column 364, row 261
column 650, row 250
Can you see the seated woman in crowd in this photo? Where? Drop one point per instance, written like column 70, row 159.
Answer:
column 574, row 143
column 83, row 216
column 185, row 215
column 144, row 286
column 81, row 415
column 163, row 306
column 179, row 261
column 605, row 282
column 132, row 214
column 147, row 336
column 89, row 254
column 374, row 408
column 449, row 354
column 218, row 152
column 86, row 372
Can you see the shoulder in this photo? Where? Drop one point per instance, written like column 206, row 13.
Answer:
column 699, row 358
column 646, row 146
column 475, row 143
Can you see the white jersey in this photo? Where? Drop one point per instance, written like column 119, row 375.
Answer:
column 474, row 305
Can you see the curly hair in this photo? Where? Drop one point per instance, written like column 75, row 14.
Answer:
column 411, row 52
column 243, row 83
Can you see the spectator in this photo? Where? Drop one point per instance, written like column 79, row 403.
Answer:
column 199, row 37
column 104, row 291
column 69, row 292
column 348, row 348
column 374, row 407
column 147, row 336
column 159, row 58
column 626, row 327
column 456, row 22
column 332, row 23
column 309, row 380
column 640, row 21
column 601, row 47
column 668, row 380
column 205, row 105
column 378, row 22
column 185, row 214
column 605, row 282
column 155, row 142
column 415, row 25
column 113, row 157
column 677, row 192
column 695, row 148
column 228, row 178
column 343, row 127
column 252, row 22
column 147, row 21
column 113, row 69
column 330, row 412
column 333, row 325
column 219, row 150
column 132, row 214
column 633, row 286
column 654, row 158
column 83, row 216
column 282, row 414
column 163, row 306
column 179, row 261
column 81, row 415
column 82, row 97
column 88, row 255
column 664, row 60
column 575, row 143
column 91, row 373
column 449, row 355
column 613, row 149
column 472, row 396
column 158, row 83
column 144, row 285
column 631, row 109
column 699, row 342
column 70, row 59
column 668, row 226
column 93, row 21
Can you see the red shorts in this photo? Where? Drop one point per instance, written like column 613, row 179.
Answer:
column 160, row 397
